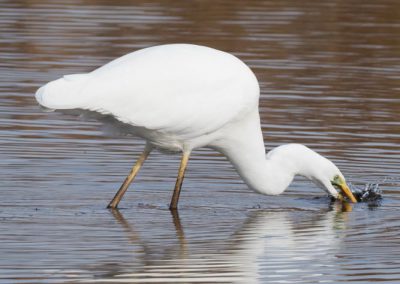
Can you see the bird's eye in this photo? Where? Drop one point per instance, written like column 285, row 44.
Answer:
column 336, row 180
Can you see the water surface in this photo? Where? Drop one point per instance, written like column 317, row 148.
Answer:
column 329, row 74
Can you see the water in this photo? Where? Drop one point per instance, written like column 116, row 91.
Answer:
column 329, row 73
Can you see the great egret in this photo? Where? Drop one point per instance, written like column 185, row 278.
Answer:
column 182, row 96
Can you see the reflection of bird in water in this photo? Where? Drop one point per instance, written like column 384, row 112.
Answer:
column 277, row 245
column 134, row 236
column 286, row 246
column 180, row 97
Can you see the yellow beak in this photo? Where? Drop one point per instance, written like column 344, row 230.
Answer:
column 346, row 191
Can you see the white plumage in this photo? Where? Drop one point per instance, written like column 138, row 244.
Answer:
column 173, row 89
column 179, row 97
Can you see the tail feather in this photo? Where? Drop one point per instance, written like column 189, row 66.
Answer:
column 63, row 93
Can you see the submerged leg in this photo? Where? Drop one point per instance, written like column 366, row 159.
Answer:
column 179, row 180
column 117, row 198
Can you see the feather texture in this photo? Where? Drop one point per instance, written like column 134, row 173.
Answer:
column 180, row 89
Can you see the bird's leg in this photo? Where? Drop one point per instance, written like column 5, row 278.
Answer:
column 179, row 180
column 117, row 198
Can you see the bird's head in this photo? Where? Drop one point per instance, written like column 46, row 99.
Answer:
column 328, row 176
column 299, row 159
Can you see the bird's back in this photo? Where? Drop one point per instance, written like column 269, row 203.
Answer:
column 180, row 89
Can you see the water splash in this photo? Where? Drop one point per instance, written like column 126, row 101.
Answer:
column 371, row 193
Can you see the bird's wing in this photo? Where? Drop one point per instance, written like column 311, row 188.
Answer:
column 178, row 89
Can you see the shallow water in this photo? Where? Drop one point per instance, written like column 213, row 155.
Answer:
column 329, row 73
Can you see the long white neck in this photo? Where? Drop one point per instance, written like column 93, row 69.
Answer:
column 243, row 145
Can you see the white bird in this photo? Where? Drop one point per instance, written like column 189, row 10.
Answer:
column 179, row 97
